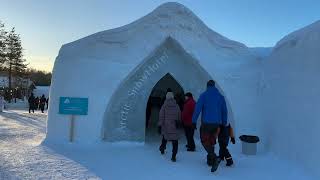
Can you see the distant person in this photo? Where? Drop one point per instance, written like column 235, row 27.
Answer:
column 36, row 104
column 42, row 103
column 226, row 134
column 188, row 109
column 47, row 102
column 1, row 104
column 32, row 103
column 169, row 117
column 212, row 106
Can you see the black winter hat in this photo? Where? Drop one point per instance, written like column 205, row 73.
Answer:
column 169, row 90
column 188, row 94
column 210, row 83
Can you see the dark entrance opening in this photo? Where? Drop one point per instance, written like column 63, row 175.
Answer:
column 155, row 101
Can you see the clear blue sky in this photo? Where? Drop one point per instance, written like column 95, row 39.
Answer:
column 45, row 25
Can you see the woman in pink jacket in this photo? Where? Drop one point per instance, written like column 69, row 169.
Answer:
column 169, row 117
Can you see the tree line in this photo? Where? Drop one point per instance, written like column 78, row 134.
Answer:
column 14, row 66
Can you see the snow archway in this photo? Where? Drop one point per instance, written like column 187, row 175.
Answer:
column 124, row 119
column 156, row 100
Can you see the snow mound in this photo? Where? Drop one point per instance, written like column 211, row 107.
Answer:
column 170, row 19
column 261, row 52
column 305, row 37
column 292, row 95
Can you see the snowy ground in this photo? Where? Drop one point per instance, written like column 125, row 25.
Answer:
column 23, row 157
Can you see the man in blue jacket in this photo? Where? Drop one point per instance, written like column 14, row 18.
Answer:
column 212, row 106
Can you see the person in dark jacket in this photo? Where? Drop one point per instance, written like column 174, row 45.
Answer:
column 226, row 134
column 213, row 110
column 169, row 117
column 36, row 103
column 42, row 103
column 188, row 109
column 31, row 102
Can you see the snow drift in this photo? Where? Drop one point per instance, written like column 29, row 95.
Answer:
column 291, row 98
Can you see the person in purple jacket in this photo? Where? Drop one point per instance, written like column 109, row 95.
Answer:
column 212, row 106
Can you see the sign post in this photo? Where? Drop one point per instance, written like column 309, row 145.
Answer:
column 73, row 106
column 71, row 128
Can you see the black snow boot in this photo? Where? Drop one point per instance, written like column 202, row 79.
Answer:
column 209, row 160
column 161, row 150
column 173, row 158
column 229, row 161
column 215, row 164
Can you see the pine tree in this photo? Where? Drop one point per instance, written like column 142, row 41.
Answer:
column 14, row 62
column 3, row 34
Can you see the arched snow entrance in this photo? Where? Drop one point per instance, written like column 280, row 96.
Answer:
column 124, row 119
column 156, row 99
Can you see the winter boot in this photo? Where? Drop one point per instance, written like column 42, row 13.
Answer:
column 229, row 161
column 161, row 149
column 173, row 158
column 209, row 160
column 215, row 164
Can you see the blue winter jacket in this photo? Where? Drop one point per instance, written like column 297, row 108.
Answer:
column 213, row 107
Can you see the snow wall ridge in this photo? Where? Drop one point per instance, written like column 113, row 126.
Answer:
column 301, row 33
column 167, row 18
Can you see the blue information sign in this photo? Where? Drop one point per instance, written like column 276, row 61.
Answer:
column 73, row 106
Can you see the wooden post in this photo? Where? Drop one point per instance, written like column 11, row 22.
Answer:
column 71, row 128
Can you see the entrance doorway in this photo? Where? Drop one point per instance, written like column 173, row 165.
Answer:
column 156, row 100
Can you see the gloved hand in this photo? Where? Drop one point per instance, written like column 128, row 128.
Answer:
column 159, row 130
column 194, row 126
column 233, row 140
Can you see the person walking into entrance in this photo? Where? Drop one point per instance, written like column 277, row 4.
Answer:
column 169, row 118
column 188, row 109
column 32, row 103
column 212, row 106
column 226, row 134
column 42, row 103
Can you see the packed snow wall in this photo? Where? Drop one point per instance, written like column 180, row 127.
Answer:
column 291, row 97
column 108, row 91
column 102, row 66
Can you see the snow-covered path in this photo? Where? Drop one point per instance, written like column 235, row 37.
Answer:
column 23, row 157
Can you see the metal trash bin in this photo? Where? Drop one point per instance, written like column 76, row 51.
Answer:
column 249, row 144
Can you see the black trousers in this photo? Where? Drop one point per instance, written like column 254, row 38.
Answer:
column 223, row 139
column 189, row 132
column 31, row 109
column 223, row 151
column 42, row 107
column 175, row 143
